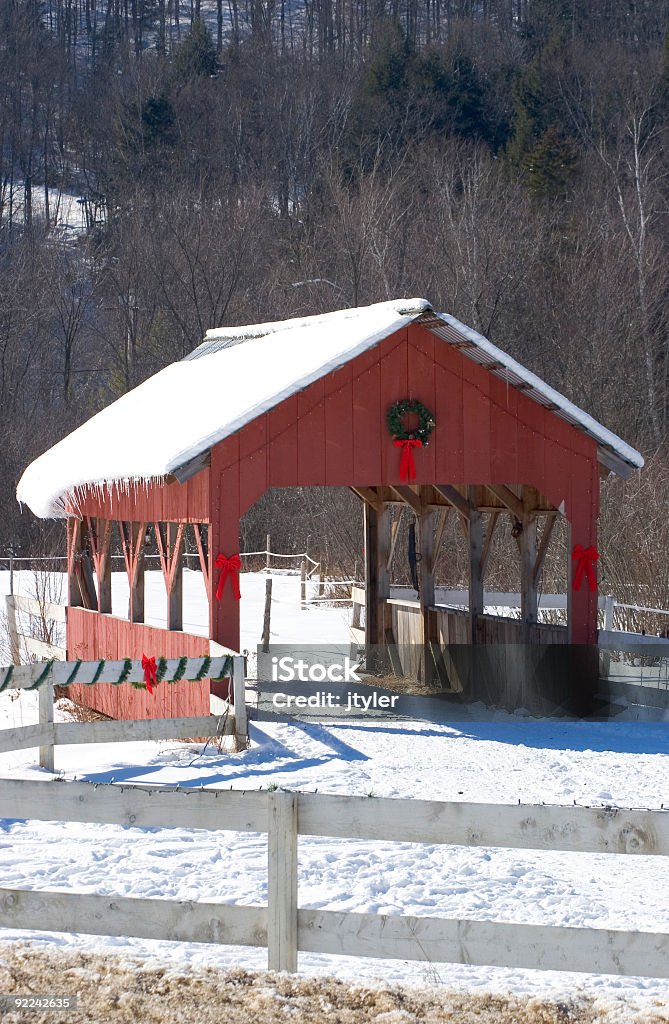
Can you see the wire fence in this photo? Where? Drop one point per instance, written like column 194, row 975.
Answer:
column 309, row 568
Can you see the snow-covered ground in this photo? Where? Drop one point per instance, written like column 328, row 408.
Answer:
column 67, row 210
column 491, row 757
column 323, row 623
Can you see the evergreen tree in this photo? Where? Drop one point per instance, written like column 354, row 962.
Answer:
column 196, row 56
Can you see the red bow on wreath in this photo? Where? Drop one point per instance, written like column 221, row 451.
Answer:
column 585, row 559
column 407, row 464
column 150, row 672
column 229, row 567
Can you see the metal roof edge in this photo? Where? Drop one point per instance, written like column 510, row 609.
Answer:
column 514, row 373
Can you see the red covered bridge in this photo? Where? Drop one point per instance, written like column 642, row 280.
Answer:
column 305, row 403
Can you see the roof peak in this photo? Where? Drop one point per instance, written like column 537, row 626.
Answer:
column 218, row 338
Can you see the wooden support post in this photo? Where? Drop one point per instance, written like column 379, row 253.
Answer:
column 528, row 557
column 377, row 577
column 282, row 882
column 74, row 598
column 239, row 702
column 394, row 534
column 45, row 692
column 475, row 525
column 425, row 531
column 225, row 512
column 268, row 612
column 442, row 518
column 99, row 532
column 267, row 543
column 87, row 582
column 80, row 570
column 137, row 585
column 582, row 511
column 132, row 541
column 487, row 544
column 201, row 540
column 549, row 526
column 175, row 534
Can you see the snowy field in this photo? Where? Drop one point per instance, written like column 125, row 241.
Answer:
column 492, row 757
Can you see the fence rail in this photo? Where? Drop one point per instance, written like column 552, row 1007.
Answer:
column 33, row 646
column 285, row 928
column 47, row 734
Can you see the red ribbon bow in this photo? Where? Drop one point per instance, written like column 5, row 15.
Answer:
column 229, row 567
column 407, row 465
column 150, row 670
column 585, row 559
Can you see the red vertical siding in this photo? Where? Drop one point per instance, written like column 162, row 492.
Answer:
column 188, row 502
column 225, row 513
column 368, row 413
column 338, row 406
column 91, row 636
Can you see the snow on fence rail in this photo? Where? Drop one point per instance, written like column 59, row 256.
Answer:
column 286, row 929
column 47, row 734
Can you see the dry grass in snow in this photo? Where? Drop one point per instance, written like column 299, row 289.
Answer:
column 122, row 991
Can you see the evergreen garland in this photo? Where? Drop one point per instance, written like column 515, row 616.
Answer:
column 225, row 671
column 42, row 677
column 204, row 670
column 125, row 673
column 70, row 679
column 395, row 420
column 127, row 667
column 98, row 672
column 181, row 668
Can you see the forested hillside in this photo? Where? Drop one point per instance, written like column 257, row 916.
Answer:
column 245, row 160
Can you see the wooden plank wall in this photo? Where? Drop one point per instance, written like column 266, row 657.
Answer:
column 334, row 432
column 90, row 635
column 501, row 670
column 453, row 626
column 173, row 502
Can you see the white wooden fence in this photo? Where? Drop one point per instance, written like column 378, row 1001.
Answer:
column 44, row 611
column 286, row 928
column 47, row 734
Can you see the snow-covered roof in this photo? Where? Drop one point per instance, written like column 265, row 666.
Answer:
column 238, row 374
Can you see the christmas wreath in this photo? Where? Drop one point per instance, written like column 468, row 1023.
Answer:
column 406, row 439
column 403, row 408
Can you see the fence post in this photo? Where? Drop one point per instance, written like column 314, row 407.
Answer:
column 303, row 583
column 267, row 553
column 609, row 605
column 321, row 577
column 45, row 692
column 268, row 612
column 12, row 628
column 282, row 882
column 239, row 700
